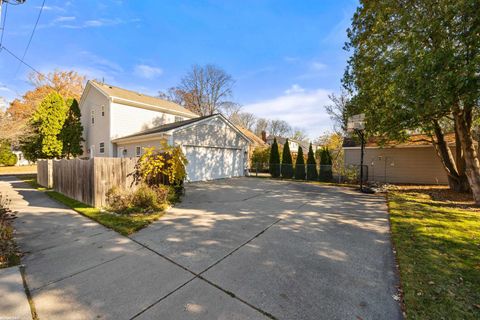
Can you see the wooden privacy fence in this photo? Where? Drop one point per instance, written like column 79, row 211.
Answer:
column 86, row 180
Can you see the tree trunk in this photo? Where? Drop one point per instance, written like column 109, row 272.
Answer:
column 463, row 122
column 457, row 180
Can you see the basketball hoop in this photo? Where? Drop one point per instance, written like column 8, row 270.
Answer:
column 356, row 123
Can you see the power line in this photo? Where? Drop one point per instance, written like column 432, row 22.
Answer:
column 31, row 35
column 26, row 64
column 3, row 23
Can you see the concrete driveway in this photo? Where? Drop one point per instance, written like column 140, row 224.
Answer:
column 234, row 249
column 290, row 250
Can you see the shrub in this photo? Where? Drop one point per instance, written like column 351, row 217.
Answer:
column 9, row 254
column 300, row 165
column 118, row 200
column 167, row 166
column 287, row 164
column 274, row 163
column 7, row 157
column 312, row 173
column 325, row 165
column 145, row 198
column 260, row 158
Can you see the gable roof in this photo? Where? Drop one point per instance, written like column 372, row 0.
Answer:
column 415, row 140
column 136, row 99
column 175, row 125
column 252, row 136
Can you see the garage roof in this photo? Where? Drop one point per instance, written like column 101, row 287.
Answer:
column 175, row 125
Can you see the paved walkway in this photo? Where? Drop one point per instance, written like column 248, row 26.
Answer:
column 13, row 301
column 234, row 249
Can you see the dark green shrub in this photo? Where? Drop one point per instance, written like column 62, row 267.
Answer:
column 312, row 173
column 7, row 157
column 287, row 163
column 274, row 164
column 325, row 165
column 300, row 165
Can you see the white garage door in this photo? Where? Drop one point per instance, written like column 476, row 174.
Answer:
column 206, row 163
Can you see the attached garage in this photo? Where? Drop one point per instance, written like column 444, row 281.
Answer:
column 214, row 148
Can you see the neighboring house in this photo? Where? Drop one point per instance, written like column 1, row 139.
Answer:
column 255, row 141
column 293, row 144
column 21, row 161
column 414, row 161
column 120, row 123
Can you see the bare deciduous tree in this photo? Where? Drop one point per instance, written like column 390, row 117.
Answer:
column 204, row 90
column 338, row 110
column 261, row 125
column 279, row 128
column 244, row 119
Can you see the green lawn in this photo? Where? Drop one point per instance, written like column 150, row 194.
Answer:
column 123, row 224
column 438, row 250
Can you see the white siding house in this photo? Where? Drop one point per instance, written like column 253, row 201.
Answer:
column 121, row 123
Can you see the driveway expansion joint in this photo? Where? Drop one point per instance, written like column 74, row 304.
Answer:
column 199, row 275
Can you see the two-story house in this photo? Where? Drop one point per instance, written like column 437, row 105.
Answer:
column 121, row 123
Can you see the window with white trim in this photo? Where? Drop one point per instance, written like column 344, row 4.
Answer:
column 93, row 116
column 138, row 151
column 103, row 111
column 101, row 148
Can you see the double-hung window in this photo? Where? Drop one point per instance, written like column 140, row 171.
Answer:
column 101, row 148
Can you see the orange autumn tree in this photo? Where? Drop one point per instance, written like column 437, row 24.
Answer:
column 14, row 122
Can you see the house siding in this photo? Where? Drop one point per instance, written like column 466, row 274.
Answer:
column 212, row 133
column 131, row 147
column 98, row 132
column 416, row 165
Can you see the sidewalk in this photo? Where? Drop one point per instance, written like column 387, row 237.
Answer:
column 13, row 302
column 77, row 269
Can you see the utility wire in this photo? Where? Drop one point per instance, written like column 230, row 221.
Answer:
column 26, row 64
column 3, row 24
column 31, row 36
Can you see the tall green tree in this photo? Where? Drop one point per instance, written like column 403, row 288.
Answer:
column 274, row 165
column 46, row 124
column 287, row 163
column 415, row 66
column 312, row 173
column 325, row 165
column 71, row 134
column 300, row 165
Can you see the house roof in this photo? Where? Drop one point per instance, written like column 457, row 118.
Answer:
column 252, row 136
column 175, row 125
column 415, row 140
column 281, row 140
column 129, row 97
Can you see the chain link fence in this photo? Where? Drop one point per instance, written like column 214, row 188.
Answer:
column 324, row 173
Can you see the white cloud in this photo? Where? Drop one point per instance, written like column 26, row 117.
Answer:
column 294, row 89
column 101, row 62
column 63, row 19
column 317, row 66
column 147, row 72
column 299, row 107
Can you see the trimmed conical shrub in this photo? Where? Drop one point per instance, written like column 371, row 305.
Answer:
column 274, row 165
column 300, row 165
column 325, row 165
column 287, row 164
column 312, row 173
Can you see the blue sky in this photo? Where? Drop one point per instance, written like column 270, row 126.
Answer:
column 286, row 56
